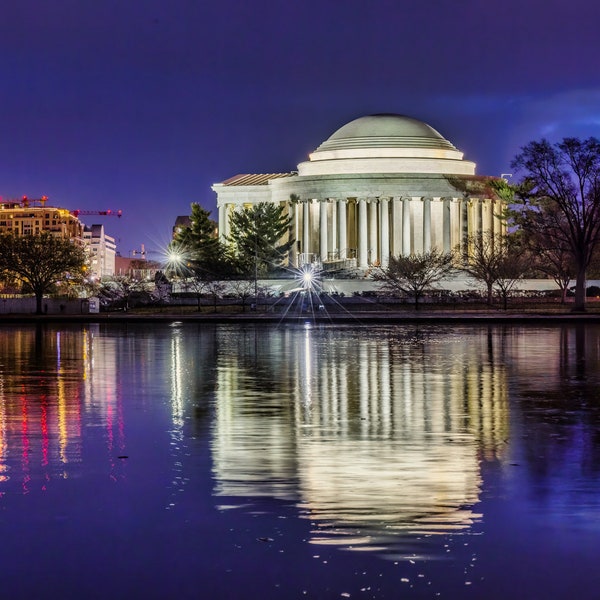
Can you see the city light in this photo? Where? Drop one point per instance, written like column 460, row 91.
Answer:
column 176, row 260
column 308, row 276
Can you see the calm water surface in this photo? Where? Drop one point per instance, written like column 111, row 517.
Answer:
column 193, row 461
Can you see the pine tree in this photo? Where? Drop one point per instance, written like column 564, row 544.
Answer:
column 200, row 245
column 261, row 237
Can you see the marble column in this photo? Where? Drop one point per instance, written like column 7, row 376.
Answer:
column 372, row 254
column 342, row 228
column 362, row 233
column 306, row 229
column 332, row 235
column 487, row 217
column 406, row 227
column 293, row 213
column 223, row 222
column 323, row 229
column 446, row 216
column 396, row 233
column 384, row 253
column 478, row 216
column 426, row 224
column 464, row 226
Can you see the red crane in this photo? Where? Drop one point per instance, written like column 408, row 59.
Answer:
column 26, row 202
column 105, row 213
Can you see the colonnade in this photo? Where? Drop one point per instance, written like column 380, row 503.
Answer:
column 366, row 231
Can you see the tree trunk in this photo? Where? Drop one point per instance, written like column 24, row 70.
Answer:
column 490, row 291
column 38, row 303
column 580, row 290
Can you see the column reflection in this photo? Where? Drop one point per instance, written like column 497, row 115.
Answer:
column 370, row 434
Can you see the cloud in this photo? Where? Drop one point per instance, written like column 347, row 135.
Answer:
column 574, row 113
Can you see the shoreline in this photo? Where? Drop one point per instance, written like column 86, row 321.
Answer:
column 357, row 317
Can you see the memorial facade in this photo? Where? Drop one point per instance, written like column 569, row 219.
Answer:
column 380, row 186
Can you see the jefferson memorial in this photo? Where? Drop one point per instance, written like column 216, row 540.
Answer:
column 382, row 185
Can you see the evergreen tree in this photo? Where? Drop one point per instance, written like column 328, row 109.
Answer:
column 199, row 246
column 261, row 237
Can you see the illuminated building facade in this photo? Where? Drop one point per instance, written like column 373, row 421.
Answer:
column 380, row 186
column 21, row 218
column 102, row 251
column 32, row 217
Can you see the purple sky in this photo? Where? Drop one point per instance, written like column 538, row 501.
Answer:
column 142, row 105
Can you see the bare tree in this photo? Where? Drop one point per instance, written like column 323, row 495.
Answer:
column 197, row 286
column 486, row 251
column 510, row 268
column 553, row 260
column 414, row 274
column 117, row 292
column 559, row 196
column 215, row 289
column 39, row 262
column 242, row 289
column 496, row 260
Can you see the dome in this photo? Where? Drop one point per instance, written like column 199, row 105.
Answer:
column 385, row 131
column 386, row 144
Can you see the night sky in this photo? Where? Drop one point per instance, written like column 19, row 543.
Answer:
column 142, row 105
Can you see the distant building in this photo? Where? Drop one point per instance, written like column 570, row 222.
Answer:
column 32, row 217
column 139, row 269
column 181, row 222
column 382, row 185
column 21, row 218
column 101, row 250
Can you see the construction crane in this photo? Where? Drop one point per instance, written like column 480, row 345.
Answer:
column 143, row 252
column 105, row 213
column 26, row 202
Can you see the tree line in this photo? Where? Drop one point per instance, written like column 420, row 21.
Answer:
column 552, row 222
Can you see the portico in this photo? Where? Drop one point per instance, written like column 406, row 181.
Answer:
column 381, row 186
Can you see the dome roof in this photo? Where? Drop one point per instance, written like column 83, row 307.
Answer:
column 385, row 131
column 385, row 144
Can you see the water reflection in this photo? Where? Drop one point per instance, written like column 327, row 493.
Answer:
column 48, row 379
column 369, row 433
column 373, row 433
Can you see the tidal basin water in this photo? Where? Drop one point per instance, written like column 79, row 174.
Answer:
column 179, row 460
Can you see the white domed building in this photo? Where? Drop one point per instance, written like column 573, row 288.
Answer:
column 382, row 185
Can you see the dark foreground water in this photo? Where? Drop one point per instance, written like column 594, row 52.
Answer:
column 194, row 461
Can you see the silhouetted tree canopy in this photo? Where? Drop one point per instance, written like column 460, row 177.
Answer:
column 201, row 252
column 495, row 260
column 414, row 274
column 558, row 199
column 40, row 261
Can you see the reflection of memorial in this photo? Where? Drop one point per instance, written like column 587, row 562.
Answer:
column 369, row 432
column 253, row 435
column 47, row 378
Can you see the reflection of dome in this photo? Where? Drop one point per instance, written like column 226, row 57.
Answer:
column 385, row 131
column 386, row 143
